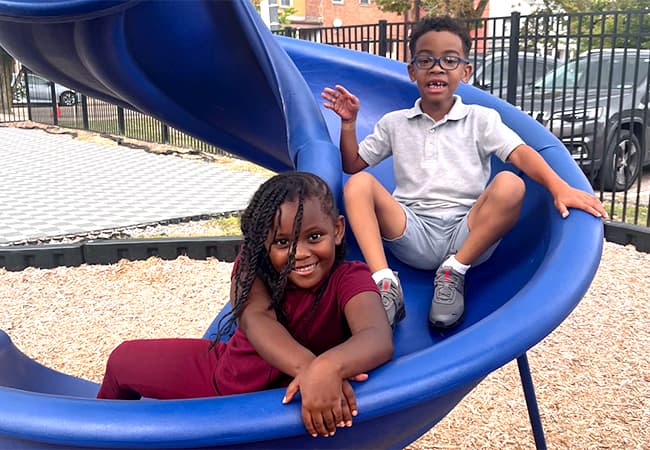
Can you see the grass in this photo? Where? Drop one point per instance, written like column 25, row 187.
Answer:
column 616, row 214
column 215, row 227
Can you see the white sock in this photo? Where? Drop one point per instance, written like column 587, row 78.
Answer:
column 384, row 273
column 454, row 264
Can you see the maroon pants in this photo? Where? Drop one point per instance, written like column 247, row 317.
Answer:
column 160, row 368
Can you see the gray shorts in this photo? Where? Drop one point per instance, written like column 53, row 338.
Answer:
column 427, row 241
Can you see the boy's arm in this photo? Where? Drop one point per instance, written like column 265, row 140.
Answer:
column 346, row 106
column 268, row 336
column 564, row 195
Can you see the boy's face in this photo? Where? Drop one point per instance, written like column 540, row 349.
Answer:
column 437, row 85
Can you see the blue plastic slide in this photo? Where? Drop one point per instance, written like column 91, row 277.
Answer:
column 212, row 69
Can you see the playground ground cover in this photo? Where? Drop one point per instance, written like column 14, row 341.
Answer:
column 592, row 373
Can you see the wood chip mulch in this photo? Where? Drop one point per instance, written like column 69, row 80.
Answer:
column 592, row 374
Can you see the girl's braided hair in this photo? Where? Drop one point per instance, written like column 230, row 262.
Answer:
column 256, row 224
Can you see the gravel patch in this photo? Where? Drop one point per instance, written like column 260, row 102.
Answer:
column 592, row 374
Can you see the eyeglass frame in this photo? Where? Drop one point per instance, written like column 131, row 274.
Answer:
column 438, row 61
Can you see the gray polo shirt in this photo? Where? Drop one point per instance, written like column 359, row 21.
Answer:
column 439, row 167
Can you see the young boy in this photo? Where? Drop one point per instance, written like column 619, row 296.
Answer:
column 441, row 213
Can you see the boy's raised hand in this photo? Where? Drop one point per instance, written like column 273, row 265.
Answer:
column 341, row 102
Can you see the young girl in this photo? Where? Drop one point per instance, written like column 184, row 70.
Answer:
column 303, row 317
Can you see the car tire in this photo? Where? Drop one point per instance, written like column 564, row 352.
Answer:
column 622, row 163
column 68, row 98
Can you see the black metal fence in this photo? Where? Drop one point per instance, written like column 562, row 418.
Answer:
column 584, row 76
column 40, row 100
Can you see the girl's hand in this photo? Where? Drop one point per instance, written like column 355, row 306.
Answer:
column 326, row 404
column 341, row 102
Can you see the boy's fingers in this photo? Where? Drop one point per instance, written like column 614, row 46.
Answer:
column 342, row 90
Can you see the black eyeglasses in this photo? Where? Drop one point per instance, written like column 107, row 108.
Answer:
column 426, row 62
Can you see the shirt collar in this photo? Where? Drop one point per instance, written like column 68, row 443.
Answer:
column 458, row 110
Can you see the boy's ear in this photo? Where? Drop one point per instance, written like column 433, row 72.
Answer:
column 411, row 71
column 467, row 72
column 339, row 230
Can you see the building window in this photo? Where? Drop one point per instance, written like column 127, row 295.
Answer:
column 285, row 3
column 337, row 2
column 364, row 2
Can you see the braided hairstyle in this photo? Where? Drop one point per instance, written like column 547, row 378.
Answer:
column 256, row 224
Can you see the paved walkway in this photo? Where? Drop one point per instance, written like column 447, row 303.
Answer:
column 53, row 186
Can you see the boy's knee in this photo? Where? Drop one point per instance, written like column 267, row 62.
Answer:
column 510, row 184
column 360, row 182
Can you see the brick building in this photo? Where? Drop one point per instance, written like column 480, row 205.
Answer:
column 328, row 13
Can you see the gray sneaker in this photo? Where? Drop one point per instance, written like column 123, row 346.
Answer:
column 392, row 298
column 448, row 305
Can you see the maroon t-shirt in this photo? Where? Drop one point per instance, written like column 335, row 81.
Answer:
column 240, row 369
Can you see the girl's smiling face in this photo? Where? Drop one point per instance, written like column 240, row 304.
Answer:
column 316, row 247
column 437, row 85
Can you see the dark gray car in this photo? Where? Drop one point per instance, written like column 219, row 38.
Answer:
column 39, row 90
column 597, row 105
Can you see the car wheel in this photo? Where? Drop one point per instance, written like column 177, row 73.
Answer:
column 622, row 163
column 68, row 98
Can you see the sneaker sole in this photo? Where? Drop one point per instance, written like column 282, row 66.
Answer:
column 443, row 326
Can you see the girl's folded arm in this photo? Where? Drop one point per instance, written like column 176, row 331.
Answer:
column 371, row 343
column 269, row 337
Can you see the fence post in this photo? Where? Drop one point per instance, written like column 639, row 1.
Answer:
column 120, row 121
column 55, row 105
column 84, row 112
column 383, row 42
column 513, row 59
column 27, row 95
column 165, row 133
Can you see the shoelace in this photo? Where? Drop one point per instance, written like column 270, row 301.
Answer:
column 446, row 283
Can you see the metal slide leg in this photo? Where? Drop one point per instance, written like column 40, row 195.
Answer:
column 531, row 402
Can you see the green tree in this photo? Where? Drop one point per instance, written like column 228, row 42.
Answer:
column 456, row 8
column 611, row 23
column 464, row 9
column 578, row 6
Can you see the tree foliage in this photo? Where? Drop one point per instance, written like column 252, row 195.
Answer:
column 456, row 8
column 582, row 6
column 610, row 23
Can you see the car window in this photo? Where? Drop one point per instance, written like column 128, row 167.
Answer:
column 492, row 73
column 598, row 71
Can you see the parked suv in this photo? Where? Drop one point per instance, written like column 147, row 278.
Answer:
column 597, row 105
column 491, row 71
column 40, row 91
